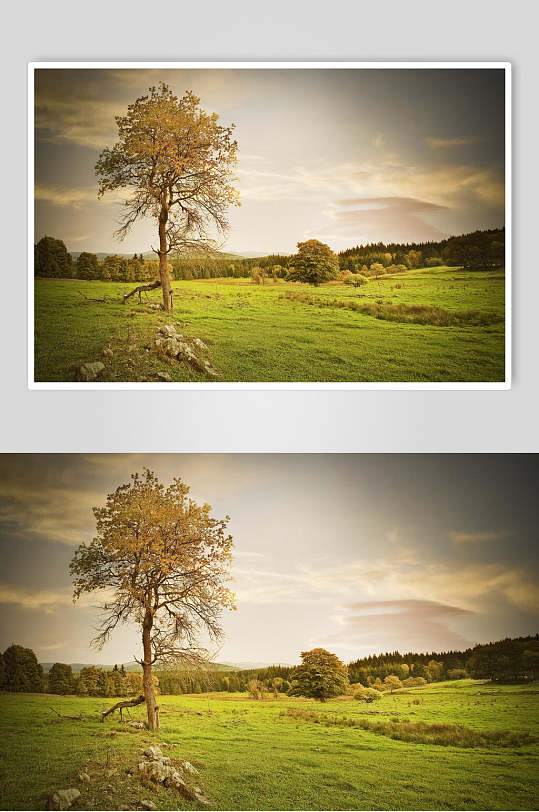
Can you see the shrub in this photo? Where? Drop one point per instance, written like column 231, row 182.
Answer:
column 367, row 695
column 456, row 673
column 392, row 683
column 356, row 279
column 414, row 682
column 256, row 689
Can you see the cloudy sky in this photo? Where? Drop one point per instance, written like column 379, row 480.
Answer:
column 346, row 156
column 355, row 553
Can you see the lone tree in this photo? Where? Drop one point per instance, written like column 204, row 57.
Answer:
column 177, row 163
column 166, row 563
column 320, row 675
column 314, row 263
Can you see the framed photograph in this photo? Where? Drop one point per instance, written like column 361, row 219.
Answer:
column 177, row 631
column 277, row 225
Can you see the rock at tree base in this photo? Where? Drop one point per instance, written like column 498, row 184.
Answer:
column 90, row 371
column 148, row 805
column 188, row 768
column 199, row 796
column 63, row 798
column 183, row 348
column 153, row 752
column 163, row 774
column 164, row 376
column 169, row 331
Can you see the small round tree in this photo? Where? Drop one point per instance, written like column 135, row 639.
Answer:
column 321, row 675
column 392, row 683
column 314, row 263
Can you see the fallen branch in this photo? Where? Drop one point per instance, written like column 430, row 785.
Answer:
column 63, row 716
column 152, row 286
column 105, row 298
column 127, row 703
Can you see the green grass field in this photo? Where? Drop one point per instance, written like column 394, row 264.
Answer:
column 268, row 333
column 255, row 755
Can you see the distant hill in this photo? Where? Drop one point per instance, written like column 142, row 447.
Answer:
column 248, row 666
column 150, row 255
column 136, row 668
column 76, row 667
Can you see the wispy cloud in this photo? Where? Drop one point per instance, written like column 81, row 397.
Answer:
column 52, row 647
column 65, row 197
column 450, row 143
column 398, row 219
column 51, row 513
column 387, row 178
column 474, row 538
column 383, row 625
column 402, row 572
column 48, row 600
column 76, row 197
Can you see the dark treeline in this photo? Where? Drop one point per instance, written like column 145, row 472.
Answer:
column 172, row 681
column 480, row 250
column 510, row 660
column 505, row 661
column 21, row 672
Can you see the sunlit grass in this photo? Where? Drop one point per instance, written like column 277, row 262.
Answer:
column 256, row 755
column 257, row 333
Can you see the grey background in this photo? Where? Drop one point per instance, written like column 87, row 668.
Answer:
column 475, row 30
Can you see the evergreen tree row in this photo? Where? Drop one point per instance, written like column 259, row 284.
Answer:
column 480, row 250
column 508, row 660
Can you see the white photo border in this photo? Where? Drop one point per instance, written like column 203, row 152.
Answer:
column 283, row 385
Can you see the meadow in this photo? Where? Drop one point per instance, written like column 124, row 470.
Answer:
column 432, row 324
column 280, row 754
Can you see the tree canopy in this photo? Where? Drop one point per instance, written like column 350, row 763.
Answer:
column 314, row 263
column 321, row 675
column 177, row 164
column 165, row 561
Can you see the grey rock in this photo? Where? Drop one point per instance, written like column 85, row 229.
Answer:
column 148, row 805
column 209, row 369
column 188, row 768
column 199, row 344
column 108, row 353
column 199, row 796
column 90, row 370
column 170, row 346
column 63, row 798
column 162, row 773
column 153, row 752
column 84, row 777
column 168, row 330
column 164, row 376
column 185, row 353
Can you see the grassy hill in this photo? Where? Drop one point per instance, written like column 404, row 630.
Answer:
column 425, row 325
column 151, row 255
column 135, row 667
column 454, row 745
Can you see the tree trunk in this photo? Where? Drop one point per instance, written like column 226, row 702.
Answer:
column 147, row 682
column 163, row 270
